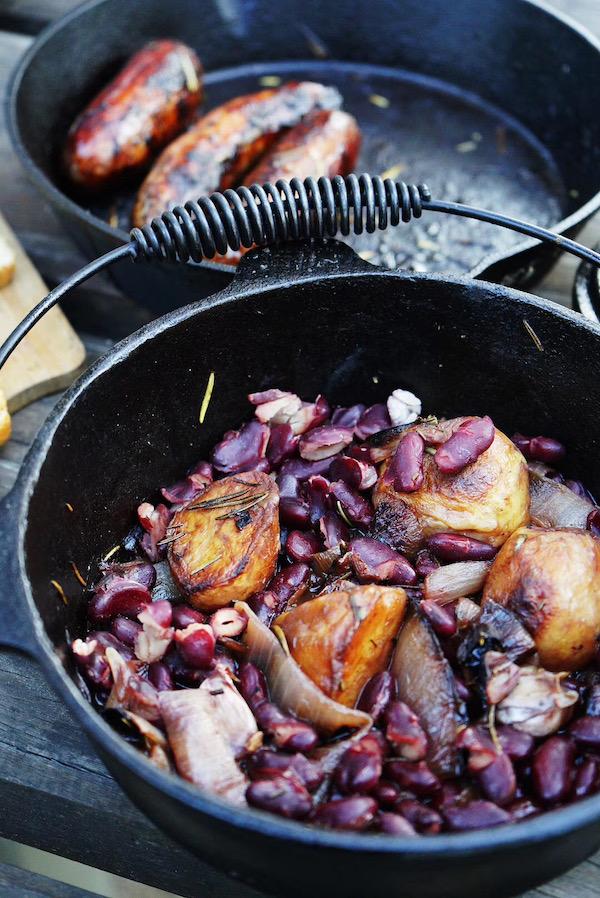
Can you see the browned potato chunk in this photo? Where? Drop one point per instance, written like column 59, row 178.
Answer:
column 340, row 640
column 551, row 580
column 487, row 500
column 227, row 541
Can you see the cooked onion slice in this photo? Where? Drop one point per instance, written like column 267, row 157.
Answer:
column 452, row 581
column 289, row 686
column 554, row 505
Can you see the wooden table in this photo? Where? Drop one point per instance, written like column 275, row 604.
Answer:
column 54, row 792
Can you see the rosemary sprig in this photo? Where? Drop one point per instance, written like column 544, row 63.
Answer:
column 208, row 564
column 222, row 501
column 236, row 511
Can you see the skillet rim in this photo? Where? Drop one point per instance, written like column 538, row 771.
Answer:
column 551, row 824
column 64, row 203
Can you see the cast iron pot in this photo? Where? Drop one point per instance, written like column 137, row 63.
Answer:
column 586, row 291
column 309, row 318
column 513, row 63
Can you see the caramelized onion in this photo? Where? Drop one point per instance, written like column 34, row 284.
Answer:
column 554, row 505
column 451, row 581
column 289, row 686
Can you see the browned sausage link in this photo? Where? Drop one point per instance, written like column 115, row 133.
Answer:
column 325, row 143
column 151, row 100
column 217, row 151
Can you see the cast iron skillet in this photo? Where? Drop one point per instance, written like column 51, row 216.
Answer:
column 478, row 76
column 309, row 318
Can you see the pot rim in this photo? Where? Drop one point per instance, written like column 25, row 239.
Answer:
column 548, row 825
column 65, row 204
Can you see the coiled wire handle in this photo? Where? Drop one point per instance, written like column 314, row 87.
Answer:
column 289, row 210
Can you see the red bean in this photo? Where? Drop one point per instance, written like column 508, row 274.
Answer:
column 593, row 522
column 355, row 814
column 586, row 731
column 183, row 616
column 417, row 777
column 360, row 766
column 160, row 612
column 374, row 419
column 302, row 469
column 267, row 763
column 282, row 444
column 324, row 442
column 294, row 512
column 316, row 490
column 348, row 417
column 516, row 744
column 140, row 571
column 160, row 676
column 290, row 581
column 423, row 818
column 395, row 825
column 455, row 547
column 522, row 443
column 462, row 690
column 552, row 770
column 280, row 795
column 228, row 623
column 118, row 597
column 474, row 815
column 521, row 809
column 374, row 562
column 357, row 509
column 498, row 781
column 333, row 530
column 301, row 546
column 196, row 645
column 586, row 778
column 546, row 449
column 386, row 793
column 356, row 473
column 287, row 732
column 90, row 655
column 441, row 617
column 242, row 450
column 405, row 470
column 376, row 695
column 425, row 563
column 478, row 742
column 465, row 445
column 405, row 732
column 182, row 491
column 253, row 685
column 126, row 630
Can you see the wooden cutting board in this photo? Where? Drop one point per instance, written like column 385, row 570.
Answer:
column 52, row 354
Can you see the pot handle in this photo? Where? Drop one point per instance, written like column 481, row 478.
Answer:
column 16, row 626
column 262, row 215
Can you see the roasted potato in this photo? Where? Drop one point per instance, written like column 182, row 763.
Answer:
column 151, row 101
column 5, row 422
column 222, row 146
column 487, row 500
column 225, row 542
column 550, row 579
column 340, row 640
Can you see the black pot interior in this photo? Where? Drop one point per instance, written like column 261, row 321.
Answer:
column 485, row 131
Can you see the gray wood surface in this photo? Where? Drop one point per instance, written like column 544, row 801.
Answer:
column 54, row 792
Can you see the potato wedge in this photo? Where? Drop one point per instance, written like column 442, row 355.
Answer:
column 340, row 640
column 225, row 542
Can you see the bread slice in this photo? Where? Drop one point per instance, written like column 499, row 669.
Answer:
column 7, row 263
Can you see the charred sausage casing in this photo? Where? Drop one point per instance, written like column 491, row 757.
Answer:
column 151, row 101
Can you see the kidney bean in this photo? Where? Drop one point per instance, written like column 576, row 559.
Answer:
column 373, row 419
column 90, row 655
column 324, row 442
column 118, row 597
column 355, row 813
column 355, row 473
column 455, row 547
column 386, row 793
column 586, row 731
column 160, row 612
column 289, row 580
column 288, row 733
column 580, row 489
column 196, row 645
column 423, row 818
column 395, row 825
column 552, row 769
column 333, row 530
column 374, row 562
column 441, row 617
column 415, row 776
column 282, row 444
column 376, row 695
column 522, row 443
column 361, row 452
column 462, row 690
column 586, row 778
column 360, row 766
column 154, row 522
column 478, row 742
column 348, row 417
column 267, row 763
column 546, row 449
column 317, row 493
column 465, row 445
column 160, row 676
column 241, row 450
column 425, row 563
column 294, row 512
column 183, row 491
column 228, row 623
column 280, row 795
column 592, row 705
column 142, row 572
column 253, row 685
column 201, row 472
column 474, row 815
column 125, row 629
column 516, row 744
column 302, row 469
column 357, row 509
column 183, row 616
column 593, row 522
column 498, row 781
column 405, row 732
column 405, row 469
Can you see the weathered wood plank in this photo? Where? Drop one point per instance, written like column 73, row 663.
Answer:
column 17, row 883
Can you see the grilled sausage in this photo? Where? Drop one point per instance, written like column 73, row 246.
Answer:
column 325, row 143
column 220, row 148
column 151, row 100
